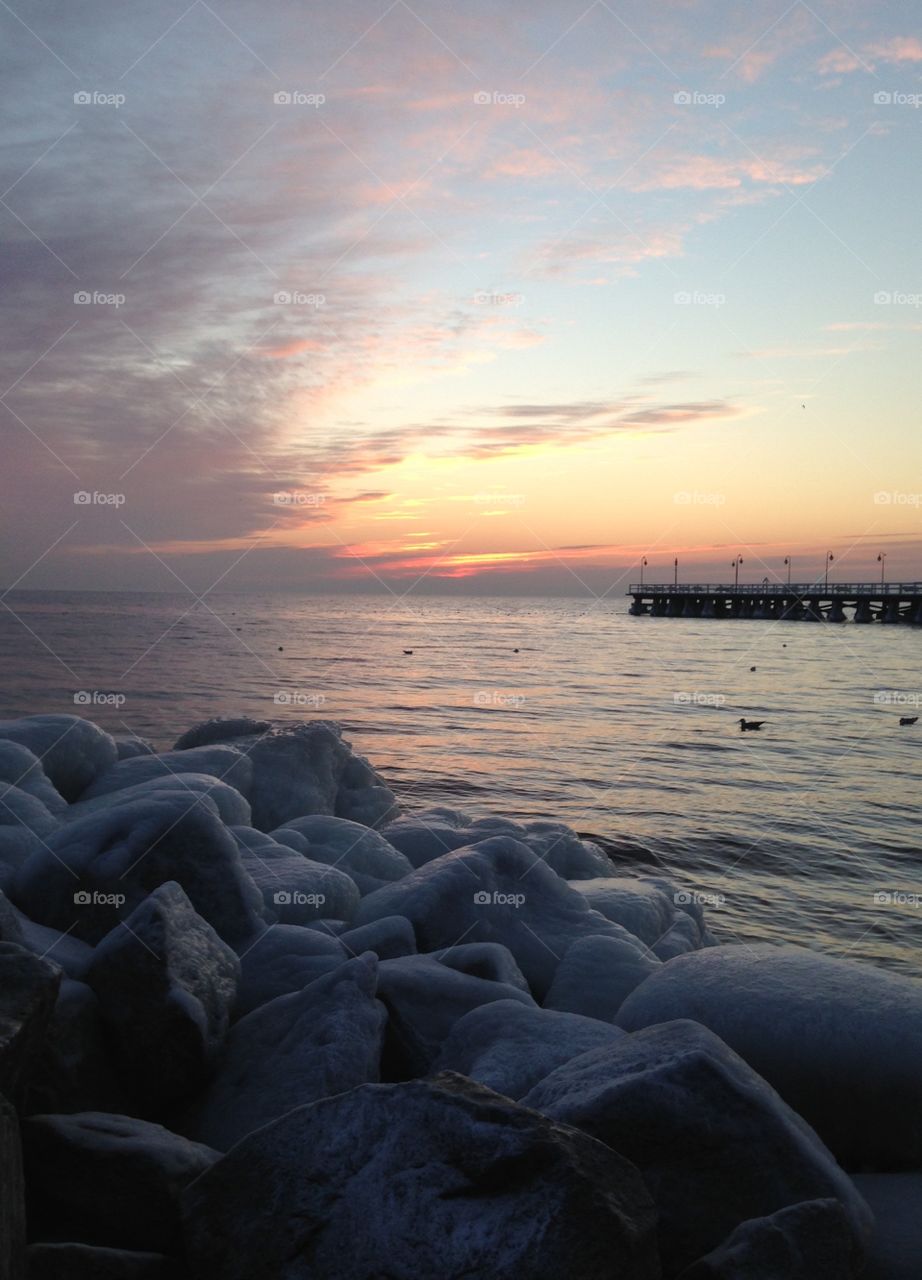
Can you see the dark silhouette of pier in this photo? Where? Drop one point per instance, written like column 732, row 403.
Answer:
column 891, row 602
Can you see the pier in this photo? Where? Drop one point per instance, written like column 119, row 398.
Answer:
column 891, row 602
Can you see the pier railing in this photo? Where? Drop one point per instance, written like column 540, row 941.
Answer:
column 809, row 589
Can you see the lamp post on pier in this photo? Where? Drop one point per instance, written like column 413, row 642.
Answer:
column 829, row 559
column 675, row 572
column 643, row 561
column 735, row 565
column 787, row 561
column 883, row 564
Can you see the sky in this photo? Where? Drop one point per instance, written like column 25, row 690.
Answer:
column 479, row 298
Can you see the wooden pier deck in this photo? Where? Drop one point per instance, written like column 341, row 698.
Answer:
column 891, row 602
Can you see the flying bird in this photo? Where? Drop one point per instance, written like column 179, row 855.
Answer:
column 751, row 724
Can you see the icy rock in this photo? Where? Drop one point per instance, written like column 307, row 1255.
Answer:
column 10, row 926
column 685, row 935
column 494, row 891
column 19, row 809
column 71, row 1261
column 896, row 1245
column 809, row 1241
column 73, row 1070
column 296, row 1049
column 232, row 808
column 222, row 731
column 166, row 984
column 77, row 882
column 840, row 1041
column 108, row 1180
column 363, row 854
column 224, row 763
column 388, row 938
column 689, row 1113
column 424, row 999
column 283, row 959
column 73, row 751
column 20, row 767
column 28, row 990
column 640, row 904
column 488, row 960
column 295, row 888
column 12, row 1196
column 597, row 974
column 129, row 745
column 509, row 1046
column 434, row 1180
column 62, row 949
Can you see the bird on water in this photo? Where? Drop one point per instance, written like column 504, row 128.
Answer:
column 906, row 720
column 745, row 725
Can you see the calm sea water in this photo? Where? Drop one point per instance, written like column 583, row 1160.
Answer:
column 623, row 727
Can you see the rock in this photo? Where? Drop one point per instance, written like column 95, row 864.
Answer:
column 295, row 1049
column 689, row 1113
column 424, row 999
column 488, row 960
column 361, row 853
column 220, row 730
column 108, row 1180
column 73, row 751
column 684, row 936
column 494, row 891
column 21, row 768
column 224, row 763
column 840, row 1041
column 896, row 1244
column 24, row 823
column 283, row 959
column 232, row 808
column 62, row 949
column 73, row 1071
column 809, row 1241
column 509, row 1046
column 644, row 905
column 434, row 1180
column 93, row 872
column 12, row 1196
column 597, row 975
column 71, row 1261
column 129, row 745
column 388, row 938
column 296, row 889
column 166, row 984
column 28, row 990
column 10, row 927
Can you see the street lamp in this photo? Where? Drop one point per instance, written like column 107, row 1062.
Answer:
column 882, row 558
column 643, row 561
column 735, row 565
column 675, row 575
column 787, row 561
column 829, row 559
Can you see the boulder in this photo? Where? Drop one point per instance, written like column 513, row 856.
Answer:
column 283, row 959
column 488, row 960
column 597, row 974
column 691, row 1114
column 166, row 984
column 509, row 1046
column 295, row 888
column 73, row 751
column 896, row 1244
column 840, row 1041
column 295, row 1049
column 129, row 745
column 430, row 1180
column 809, row 1241
column 10, row 926
column 62, row 949
column 28, row 990
column 12, row 1196
column 232, row 808
column 388, row 938
column 73, row 1070
column 361, row 853
column 224, row 763
column 20, row 767
column 108, row 1180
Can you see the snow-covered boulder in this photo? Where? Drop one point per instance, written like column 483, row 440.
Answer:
column 226, row 764
column 363, row 854
column 90, row 874
column 424, row 999
column 296, row 1049
column 282, row 959
column 597, row 974
column 108, row 1180
column 388, row 938
column 12, row 1195
column 129, row 745
column 509, row 1046
column 20, row 767
column 434, row 1180
column 73, row 1069
column 166, row 984
column 62, row 949
column 73, row 751
column 488, row 960
column 28, row 991
column 24, row 823
column 495, row 891
column 896, row 1245
column 232, row 808
column 840, row 1041
column 643, row 905
column 809, row 1241
column 715, row 1144
column 295, row 888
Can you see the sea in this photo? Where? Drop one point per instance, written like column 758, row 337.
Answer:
column 806, row 831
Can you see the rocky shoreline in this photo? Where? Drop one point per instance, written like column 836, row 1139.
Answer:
column 256, row 1023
